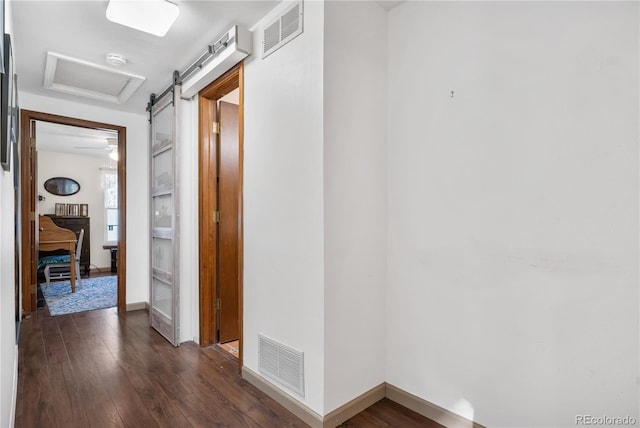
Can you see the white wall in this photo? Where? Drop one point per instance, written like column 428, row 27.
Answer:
column 8, row 344
column 513, row 209
column 355, row 195
column 512, row 222
column 137, row 180
column 86, row 171
column 187, row 151
column 283, row 201
column 8, row 352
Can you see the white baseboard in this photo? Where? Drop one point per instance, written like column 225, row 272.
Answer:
column 137, row 306
column 14, row 397
column 428, row 409
column 291, row 404
column 355, row 406
column 358, row 404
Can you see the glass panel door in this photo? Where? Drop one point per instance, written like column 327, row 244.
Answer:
column 164, row 244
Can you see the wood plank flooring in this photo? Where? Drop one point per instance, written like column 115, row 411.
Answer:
column 98, row 369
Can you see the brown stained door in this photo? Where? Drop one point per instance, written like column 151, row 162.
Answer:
column 33, row 218
column 228, row 206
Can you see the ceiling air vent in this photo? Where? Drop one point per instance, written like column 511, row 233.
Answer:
column 83, row 78
column 282, row 30
column 283, row 364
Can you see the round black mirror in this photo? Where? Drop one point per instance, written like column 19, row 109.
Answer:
column 62, row 186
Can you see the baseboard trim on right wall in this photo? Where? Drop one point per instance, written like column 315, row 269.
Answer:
column 296, row 407
column 355, row 406
column 358, row 404
column 428, row 409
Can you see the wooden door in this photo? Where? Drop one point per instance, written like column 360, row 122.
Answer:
column 210, row 244
column 228, row 206
column 18, row 238
column 28, row 195
column 33, row 218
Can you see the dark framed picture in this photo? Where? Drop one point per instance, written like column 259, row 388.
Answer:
column 15, row 134
column 7, row 107
column 15, row 113
column 2, row 32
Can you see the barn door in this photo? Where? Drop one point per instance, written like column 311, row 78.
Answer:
column 164, row 294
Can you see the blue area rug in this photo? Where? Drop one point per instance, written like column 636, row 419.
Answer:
column 95, row 293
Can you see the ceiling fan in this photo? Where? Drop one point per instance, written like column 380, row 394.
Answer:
column 111, row 147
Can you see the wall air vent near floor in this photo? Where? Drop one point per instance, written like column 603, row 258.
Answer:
column 282, row 364
column 286, row 27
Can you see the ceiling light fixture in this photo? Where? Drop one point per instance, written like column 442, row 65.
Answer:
column 116, row 59
column 151, row 16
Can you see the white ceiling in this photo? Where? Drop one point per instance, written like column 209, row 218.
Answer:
column 51, row 137
column 80, row 29
column 390, row 4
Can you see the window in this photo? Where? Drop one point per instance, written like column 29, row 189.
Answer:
column 110, row 180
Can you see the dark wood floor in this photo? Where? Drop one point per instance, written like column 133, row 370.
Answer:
column 386, row 413
column 98, row 369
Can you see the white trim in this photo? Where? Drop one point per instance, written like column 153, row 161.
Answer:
column 14, row 395
column 136, row 306
column 50, row 69
column 358, row 404
column 355, row 406
column 238, row 48
column 290, row 403
column 429, row 410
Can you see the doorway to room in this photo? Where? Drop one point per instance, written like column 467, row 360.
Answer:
column 220, row 136
column 29, row 200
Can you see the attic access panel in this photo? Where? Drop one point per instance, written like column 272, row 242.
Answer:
column 77, row 77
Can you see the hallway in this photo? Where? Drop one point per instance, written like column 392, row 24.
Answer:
column 96, row 369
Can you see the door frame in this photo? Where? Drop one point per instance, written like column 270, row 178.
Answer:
column 27, row 232
column 207, row 161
